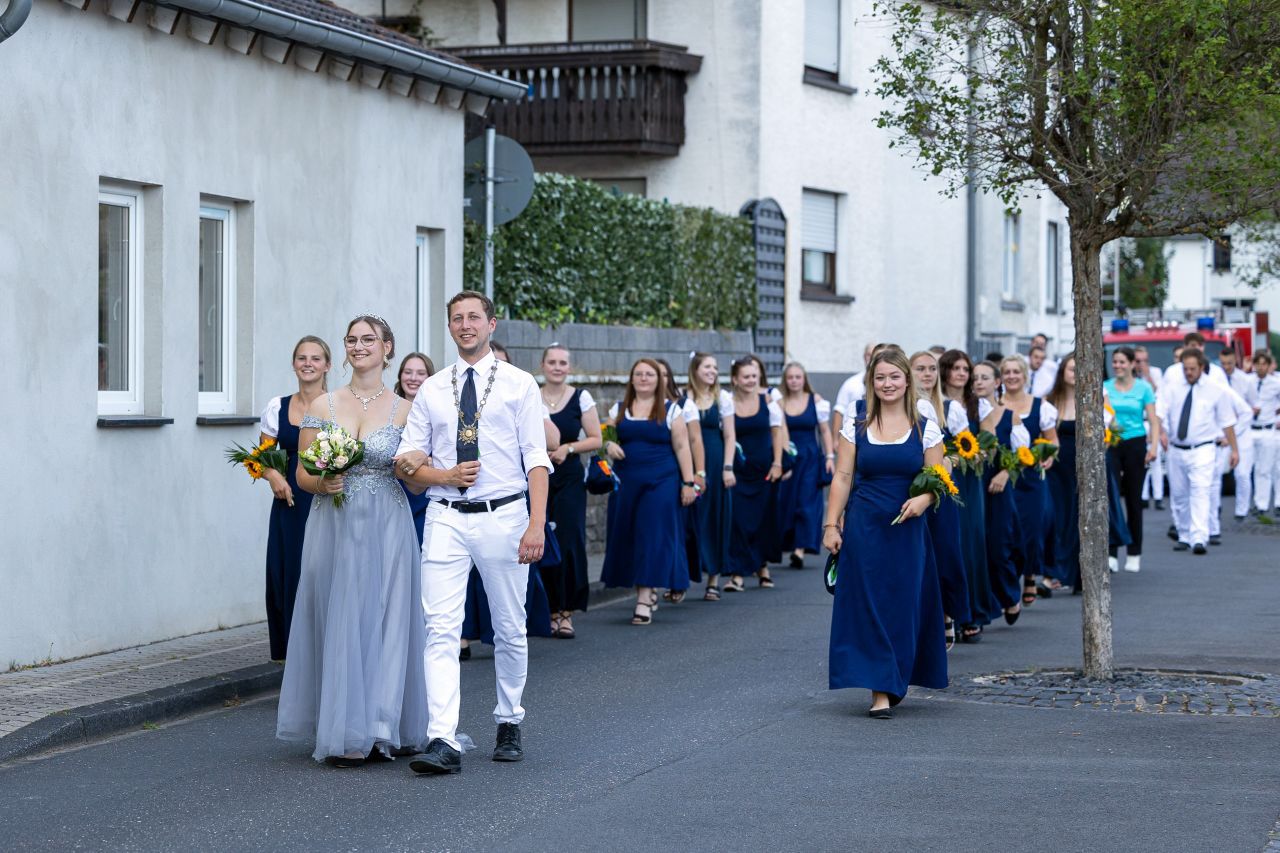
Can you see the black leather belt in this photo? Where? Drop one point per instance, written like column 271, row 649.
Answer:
column 1262, row 426
column 481, row 506
column 1194, row 446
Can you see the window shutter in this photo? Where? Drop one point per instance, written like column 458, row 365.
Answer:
column 822, row 35
column 818, row 221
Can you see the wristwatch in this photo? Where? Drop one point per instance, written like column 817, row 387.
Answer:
column 688, row 485
column 570, row 448
column 702, row 474
column 728, row 468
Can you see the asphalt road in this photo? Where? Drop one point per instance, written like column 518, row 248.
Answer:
column 712, row 729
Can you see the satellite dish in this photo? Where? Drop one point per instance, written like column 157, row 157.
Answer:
column 513, row 179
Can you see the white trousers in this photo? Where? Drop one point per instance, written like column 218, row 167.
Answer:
column 1190, row 481
column 451, row 542
column 1244, row 481
column 1266, row 467
column 1153, row 485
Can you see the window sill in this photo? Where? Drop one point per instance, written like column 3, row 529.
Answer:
column 1006, row 305
column 821, row 82
column 817, row 294
column 130, row 421
column 226, row 420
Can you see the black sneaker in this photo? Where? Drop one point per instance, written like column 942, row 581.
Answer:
column 508, row 748
column 438, row 759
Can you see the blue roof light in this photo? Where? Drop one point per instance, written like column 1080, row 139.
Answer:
column 1119, row 325
column 1204, row 324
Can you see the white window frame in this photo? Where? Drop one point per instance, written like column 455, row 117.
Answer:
column 1009, row 283
column 222, row 402
column 1053, row 265
column 128, row 401
column 833, row 74
column 422, row 258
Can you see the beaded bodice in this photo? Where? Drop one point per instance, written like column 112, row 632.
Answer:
column 375, row 471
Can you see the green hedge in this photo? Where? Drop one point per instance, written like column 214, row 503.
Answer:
column 581, row 254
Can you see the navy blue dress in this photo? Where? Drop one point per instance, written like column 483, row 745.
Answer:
column 1031, row 498
column 645, row 532
column 753, row 497
column 1003, row 536
column 284, row 541
column 712, row 512
column 973, row 541
column 886, row 620
column 568, row 584
column 1064, row 495
column 800, row 495
column 948, row 551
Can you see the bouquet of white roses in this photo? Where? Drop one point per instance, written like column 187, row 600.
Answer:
column 334, row 451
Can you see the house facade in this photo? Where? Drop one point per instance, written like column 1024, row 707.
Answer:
column 724, row 102
column 190, row 188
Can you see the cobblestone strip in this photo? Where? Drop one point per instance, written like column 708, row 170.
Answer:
column 1273, row 839
column 32, row 694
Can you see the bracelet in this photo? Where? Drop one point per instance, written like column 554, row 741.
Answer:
column 689, row 485
column 702, row 474
column 825, row 526
column 727, row 468
column 831, row 456
column 776, row 465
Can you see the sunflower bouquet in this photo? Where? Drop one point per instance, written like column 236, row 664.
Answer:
column 1043, row 449
column 334, row 451
column 1016, row 461
column 970, row 451
column 608, row 433
column 1110, row 436
column 933, row 480
column 256, row 460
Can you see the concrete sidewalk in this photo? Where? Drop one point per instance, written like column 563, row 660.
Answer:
column 44, row 707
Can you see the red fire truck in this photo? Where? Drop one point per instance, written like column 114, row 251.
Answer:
column 1161, row 331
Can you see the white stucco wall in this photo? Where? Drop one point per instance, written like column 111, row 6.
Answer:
column 115, row 537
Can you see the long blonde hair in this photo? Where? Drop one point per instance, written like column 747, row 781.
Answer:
column 936, row 396
column 894, row 357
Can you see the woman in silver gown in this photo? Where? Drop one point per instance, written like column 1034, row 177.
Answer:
column 354, row 681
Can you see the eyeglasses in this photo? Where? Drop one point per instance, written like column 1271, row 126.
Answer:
column 364, row 341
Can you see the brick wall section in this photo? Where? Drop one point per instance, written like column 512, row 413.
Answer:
column 602, row 356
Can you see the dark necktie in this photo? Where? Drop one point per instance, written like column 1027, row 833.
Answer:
column 468, row 435
column 1184, row 419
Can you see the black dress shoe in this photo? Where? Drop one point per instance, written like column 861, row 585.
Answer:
column 1172, row 533
column 1199, row 549
column 1159, row 506
column 508, row 748
column 438, row 759
column 1215, row 539
column 1181, row 546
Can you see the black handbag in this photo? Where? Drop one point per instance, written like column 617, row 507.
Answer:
column 600, row 478
column 829, row 573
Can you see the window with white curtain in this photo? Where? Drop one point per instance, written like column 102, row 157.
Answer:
column 1010, row 286
column 607, row 20
column 422, row 271
column 217, row 300
column 1053, row 267
column 818, row 230
column 119, row 300
column 822, row 37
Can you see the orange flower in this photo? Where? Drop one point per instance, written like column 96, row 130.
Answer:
column 941, row 471
column 1042, row 441
column 254, row 469
column 1026, row 457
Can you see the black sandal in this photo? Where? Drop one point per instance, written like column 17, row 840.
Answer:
column 970, row 633
column 1029, row 595
column 766, row 582
column 638, row 618
column 675, row 596
column 734, row 584
column 949, row 631
column 712, row 594
column 565, row 631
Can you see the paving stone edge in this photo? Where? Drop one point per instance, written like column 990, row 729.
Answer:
column 115, row 715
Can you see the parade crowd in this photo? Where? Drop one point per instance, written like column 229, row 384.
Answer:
column 465, row 521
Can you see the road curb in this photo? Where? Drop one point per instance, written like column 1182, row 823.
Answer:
column 115, row 715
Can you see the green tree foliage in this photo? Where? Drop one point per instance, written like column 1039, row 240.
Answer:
column 580, row 253
column 1146, row 118
column 1144, row 272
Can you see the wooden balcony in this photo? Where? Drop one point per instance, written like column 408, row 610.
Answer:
column 623, row 97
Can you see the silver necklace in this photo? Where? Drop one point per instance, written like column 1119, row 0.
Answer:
column 365, row 401
column 469, row 433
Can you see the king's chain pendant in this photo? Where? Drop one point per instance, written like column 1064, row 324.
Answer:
column 469, row 433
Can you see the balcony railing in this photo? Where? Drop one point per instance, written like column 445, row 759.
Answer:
column 591, row 97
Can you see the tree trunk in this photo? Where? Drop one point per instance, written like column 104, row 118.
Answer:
column 1086, row 248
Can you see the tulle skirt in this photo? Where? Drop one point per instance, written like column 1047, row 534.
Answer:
column 354, row 676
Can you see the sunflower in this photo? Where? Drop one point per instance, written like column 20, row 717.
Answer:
column 254, row 468
column 267, row 444
column 941, row 471
column 966, row 445
column 1106, row 436
column 1026, row 457
column 1042, row 441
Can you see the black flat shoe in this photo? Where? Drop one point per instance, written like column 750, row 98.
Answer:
column 895, row 701
column 797, row 562
column 377, row 756
column 508, row 747
column 880, row 713
column 343, row 761
column 464, row 653
column 970, row 633
column 1010, row 618
column 438, row 759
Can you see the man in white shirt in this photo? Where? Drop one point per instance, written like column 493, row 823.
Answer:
column 853, row 389
column 1245, row 400
column 1153, row 485
column 475, row 438
column 1044, row 370
column 1266, row 436
column 1197, row 412
column 1174, row 374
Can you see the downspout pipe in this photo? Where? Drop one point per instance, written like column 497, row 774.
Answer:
column 250, row 15
column 15, row 15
